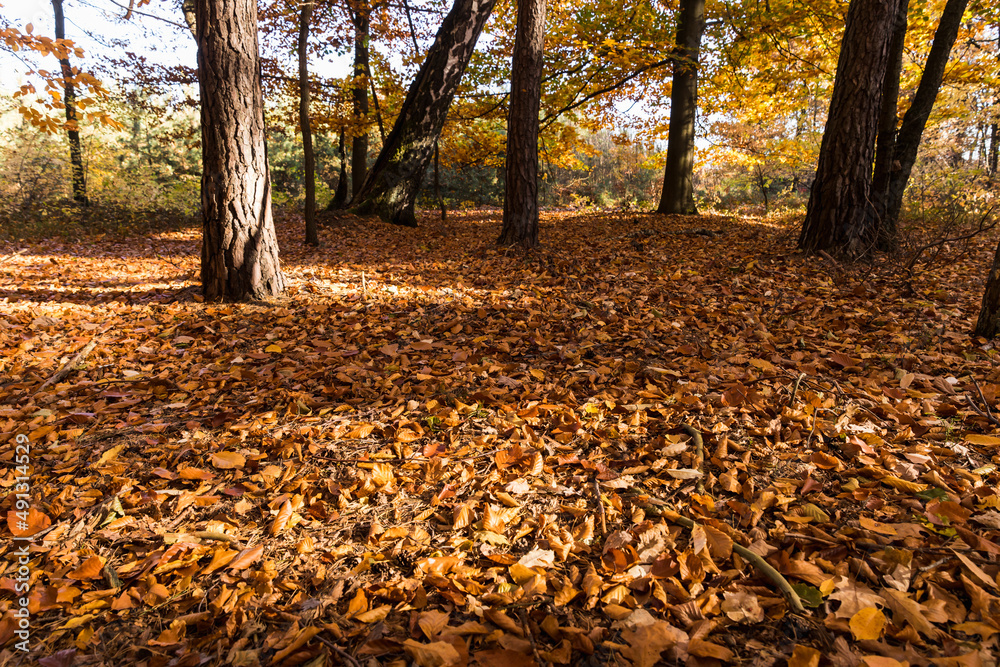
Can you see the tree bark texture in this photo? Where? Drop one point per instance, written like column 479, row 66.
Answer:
column 988, row 324
column 838, row 214
column 308, row 157
column 390, row 190
column 520, row 205
column 239, row 254
column 915, row 119
column 72, row 120
column 885, row 144
column 677, row 195
column 359, row 145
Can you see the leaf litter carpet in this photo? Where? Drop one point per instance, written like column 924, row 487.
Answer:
column 656, row 440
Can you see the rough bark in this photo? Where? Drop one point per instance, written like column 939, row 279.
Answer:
column 988, row 324
column 390, row 190
column 308, row 158
column 915, row 119
column 72, row 119
column 677, row 195
column 838, row 215
column 239, row 255
column 885, row 144
column 520, row 205
column 359, row 145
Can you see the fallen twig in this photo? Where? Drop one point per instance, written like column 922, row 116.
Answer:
column 344, row 655
column 600, row 508
column 795, row 389
column 765, row 568
column 68, row 367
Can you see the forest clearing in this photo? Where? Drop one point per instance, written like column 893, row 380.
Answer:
column 435, row 451
column 501, row 333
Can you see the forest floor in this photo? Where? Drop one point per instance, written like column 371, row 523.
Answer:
column 436, row 452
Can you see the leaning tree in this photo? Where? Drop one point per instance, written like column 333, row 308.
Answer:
column 239, row 252
column 390, row 189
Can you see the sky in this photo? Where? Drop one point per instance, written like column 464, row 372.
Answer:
column 96, row 26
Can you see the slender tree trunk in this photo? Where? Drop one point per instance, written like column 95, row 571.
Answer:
column 677, row 195
column 838, row 214
column 390, row 190
column 339, row 200
column 72, row 122
column 187, row 8
column 312, row 234
column 359, row 147
column 915, row 119
column 520, row 204
column 239, row 254
column 994, row 148
column 885, row 144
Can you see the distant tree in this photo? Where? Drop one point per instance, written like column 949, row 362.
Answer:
column 308, row 157
column 678, row 188
column 520, row 207
column 239, row 255
column 988, row 323
column 839, row 213
column 390, row 190
column 72, row 119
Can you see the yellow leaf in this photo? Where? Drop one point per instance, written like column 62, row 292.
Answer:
column 804, row 656
column 281, row 521
column 537, row 374
column 375, row 615
column 435, row 654
column 985, row 440
column 228, row 460
column 903, row 485
column 272, row 348
column 868, row 623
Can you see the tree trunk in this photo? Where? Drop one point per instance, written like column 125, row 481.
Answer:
column 72, row 124
column 678, row 187
column 988, row 324
column 390, row 190
column 520, row 204
column 359, row 147
column 239, row 252
column 339, row 200
column 994, row 148
column 309, row 159
column 912, row 127
column 838, row 214
column 885, row 144
column 187, row 8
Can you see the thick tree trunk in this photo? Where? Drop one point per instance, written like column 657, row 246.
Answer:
column 915, row 119
column 390, row 190
column 359, row 146
column 885, row 145
column 520, row 204
column 838, row 214
column 988, row 324
column 309, row 159
column 239, row 253
column 72, row 122
column 677, row 195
